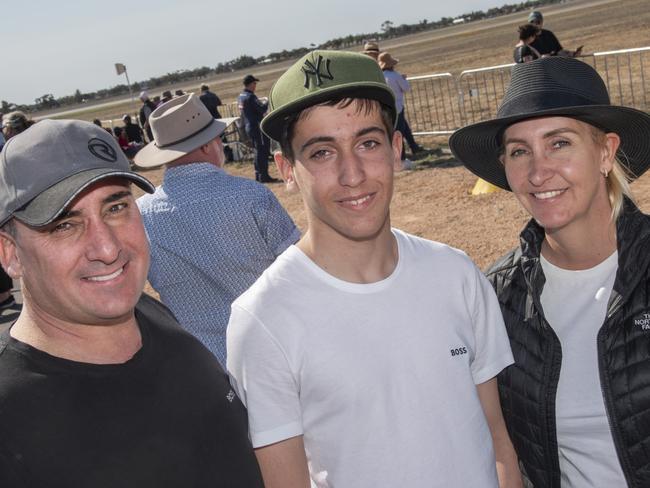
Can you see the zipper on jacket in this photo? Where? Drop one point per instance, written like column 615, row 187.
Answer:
column 616, row 304
column 604, row 389
column 555, row 366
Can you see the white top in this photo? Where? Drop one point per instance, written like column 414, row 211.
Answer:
column 379, row 378
column 399, row 85
column 575, row 304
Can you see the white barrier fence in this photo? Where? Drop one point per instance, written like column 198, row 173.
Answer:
column 439, row 103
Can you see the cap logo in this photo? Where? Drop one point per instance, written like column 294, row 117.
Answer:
column 310, row 70
column 102, row 150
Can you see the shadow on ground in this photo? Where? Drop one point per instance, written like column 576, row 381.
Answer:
column 439, row 157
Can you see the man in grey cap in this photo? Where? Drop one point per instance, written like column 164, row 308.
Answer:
column 211, row 234
column 99, row 386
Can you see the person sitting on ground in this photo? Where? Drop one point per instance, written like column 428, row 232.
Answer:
column 120, row 137
column 524, row 52
column 546, row 43
column 179, row 93
column 223, row 232
column 132, row 131
column 399, row 84
column 165, row 97
column 99, row 385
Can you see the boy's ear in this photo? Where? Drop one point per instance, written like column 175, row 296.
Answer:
column 286, row 168
column 9, row 257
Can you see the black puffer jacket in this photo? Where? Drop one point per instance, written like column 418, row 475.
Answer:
column 528, row 387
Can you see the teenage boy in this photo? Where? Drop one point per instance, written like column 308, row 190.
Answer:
column 366, row 356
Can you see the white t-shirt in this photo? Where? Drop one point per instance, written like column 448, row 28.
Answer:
column 575, row 304
column 379, row 378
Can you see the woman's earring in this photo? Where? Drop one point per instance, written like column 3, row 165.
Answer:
column 605, row 173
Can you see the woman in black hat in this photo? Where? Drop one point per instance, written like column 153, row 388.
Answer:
column 575, row 294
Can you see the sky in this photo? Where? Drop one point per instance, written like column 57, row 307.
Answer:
column 60, row 46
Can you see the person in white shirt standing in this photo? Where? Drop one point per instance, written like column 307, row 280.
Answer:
column 400, row 85
column 366, row 356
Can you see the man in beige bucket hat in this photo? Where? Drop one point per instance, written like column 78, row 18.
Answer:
column 211, row 234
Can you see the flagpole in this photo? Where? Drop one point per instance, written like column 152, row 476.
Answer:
column 119, row 69
column 129, row 84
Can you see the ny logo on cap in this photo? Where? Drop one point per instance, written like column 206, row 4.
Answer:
column 310, row 70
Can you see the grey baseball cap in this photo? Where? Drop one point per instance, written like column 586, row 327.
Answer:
column 43, row 169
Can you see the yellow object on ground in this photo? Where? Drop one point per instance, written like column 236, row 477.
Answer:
column 482, row 187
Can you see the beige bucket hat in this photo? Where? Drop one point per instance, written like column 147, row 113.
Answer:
column 179, row 126
column 386, row 61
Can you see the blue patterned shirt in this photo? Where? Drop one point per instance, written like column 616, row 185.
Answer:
column 211, row 236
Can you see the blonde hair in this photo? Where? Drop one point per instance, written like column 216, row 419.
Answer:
column 618, row 187
column 618, row 180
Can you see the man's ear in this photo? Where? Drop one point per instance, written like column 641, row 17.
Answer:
column 286, row 170
column 9, row 257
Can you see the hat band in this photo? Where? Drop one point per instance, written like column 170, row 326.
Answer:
column 161, row 146
column 531, row 103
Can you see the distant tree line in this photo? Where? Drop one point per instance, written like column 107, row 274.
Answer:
column 388, row 30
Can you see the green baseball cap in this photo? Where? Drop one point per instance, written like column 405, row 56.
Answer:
column 320, row 76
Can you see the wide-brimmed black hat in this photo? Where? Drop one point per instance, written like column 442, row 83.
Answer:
column 546, row 87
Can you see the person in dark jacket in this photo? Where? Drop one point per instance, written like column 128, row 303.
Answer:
column 524, row 52
column 211, row 101
column 545, row 43
column 574, row 294
column 133, row 131
column 145, row 111
column 252, row 111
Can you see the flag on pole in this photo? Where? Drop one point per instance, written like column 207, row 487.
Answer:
column 120, row 68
